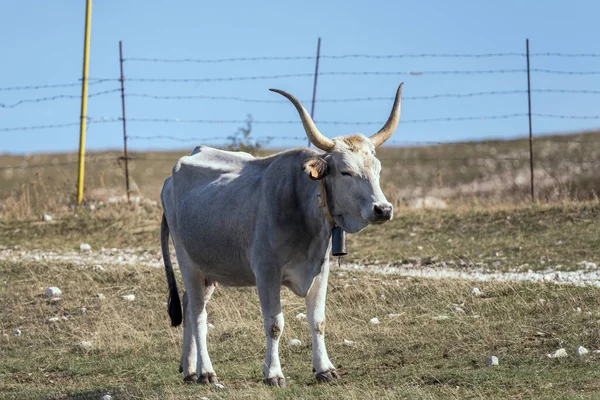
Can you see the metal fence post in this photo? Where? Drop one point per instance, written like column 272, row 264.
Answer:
column 84, row 95
column 125, row 156
column 312, row 108
column 530, row 128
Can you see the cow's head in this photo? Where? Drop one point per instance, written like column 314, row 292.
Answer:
column 350, row 169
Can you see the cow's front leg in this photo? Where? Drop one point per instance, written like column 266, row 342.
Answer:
column 315, row 312
column 269, row 291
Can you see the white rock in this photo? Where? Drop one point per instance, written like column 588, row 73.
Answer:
column 475, row 292
column 441, row 317
column 582, row 351
column 98, row 267
column 596, row 352
column 128, row 297
column 300, row 316
column 47, row 218
column 16, row 332
column 458, row 310
column 85, row 247
column 107, row 397
column 588, row 265
column 394, row 315
column 100, row 296
column 53, row 319
column 65, row 317
column 218, row 386
column 374, row 321
column 560, row 353
column 83, row 309
column 86, row 345
column 491, row 361
column 420, row 247
column 578, row 310
column 295, row 342
column 210, row 326
column 92, row 207
column 55, row 299
column 348, row 342
column 52, row 291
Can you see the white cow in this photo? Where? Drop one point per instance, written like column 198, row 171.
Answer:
column 244, row 221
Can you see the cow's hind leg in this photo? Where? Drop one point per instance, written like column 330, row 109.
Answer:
column 315, row 310
column 195, row 359
column 189, row 355
column 269, row 290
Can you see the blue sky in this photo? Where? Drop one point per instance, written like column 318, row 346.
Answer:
column 42, row 43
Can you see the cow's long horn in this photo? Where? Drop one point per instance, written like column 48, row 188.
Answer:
column 316, row 137
column 392, row 122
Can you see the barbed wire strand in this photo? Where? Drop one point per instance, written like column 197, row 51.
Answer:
column 330, row 73
column 567, row 55
column 365, row 56
column 91, row 81
column 285, row 122
column 362, row 99
column 38, row 127
column 57, row 97
column 325, row 56
column 390, row 141
column 559, row 72
column 265, row 101
column 101, row 120
column 95, row 81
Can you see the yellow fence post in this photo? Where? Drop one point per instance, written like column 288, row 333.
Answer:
column 84, row 94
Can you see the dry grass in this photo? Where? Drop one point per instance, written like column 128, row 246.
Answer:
column 497, row 238
column 480, row 174
column 135, row 353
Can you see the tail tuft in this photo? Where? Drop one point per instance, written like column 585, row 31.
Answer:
column 174, row 303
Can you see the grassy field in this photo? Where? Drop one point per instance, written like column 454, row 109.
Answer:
column 474, row 173
column 134, row 353
column 436, row 345
column 416, row 354
column 497, row 238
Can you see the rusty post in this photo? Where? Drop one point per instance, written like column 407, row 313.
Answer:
column 312, row 108
column 530, row 128
column 125, row 156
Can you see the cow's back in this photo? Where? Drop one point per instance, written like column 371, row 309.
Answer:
column 213, row 196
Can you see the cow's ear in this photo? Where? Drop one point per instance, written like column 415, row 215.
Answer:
column 316, row 168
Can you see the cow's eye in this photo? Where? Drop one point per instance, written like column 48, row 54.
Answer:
column 346, row 174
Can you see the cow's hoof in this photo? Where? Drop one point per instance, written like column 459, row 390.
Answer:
column 327, row 376
column 276, row 381
column 190, row 378
column 208, row 377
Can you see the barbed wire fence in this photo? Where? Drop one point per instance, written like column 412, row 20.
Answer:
column 94, row 120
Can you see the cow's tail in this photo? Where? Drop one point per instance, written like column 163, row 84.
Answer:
column 174, row 304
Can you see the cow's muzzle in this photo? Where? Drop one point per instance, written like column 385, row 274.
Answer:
column 382, row 212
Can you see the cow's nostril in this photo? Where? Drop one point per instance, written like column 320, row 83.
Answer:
column 382, row 211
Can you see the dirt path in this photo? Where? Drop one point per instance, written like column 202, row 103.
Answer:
column 587, row 275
